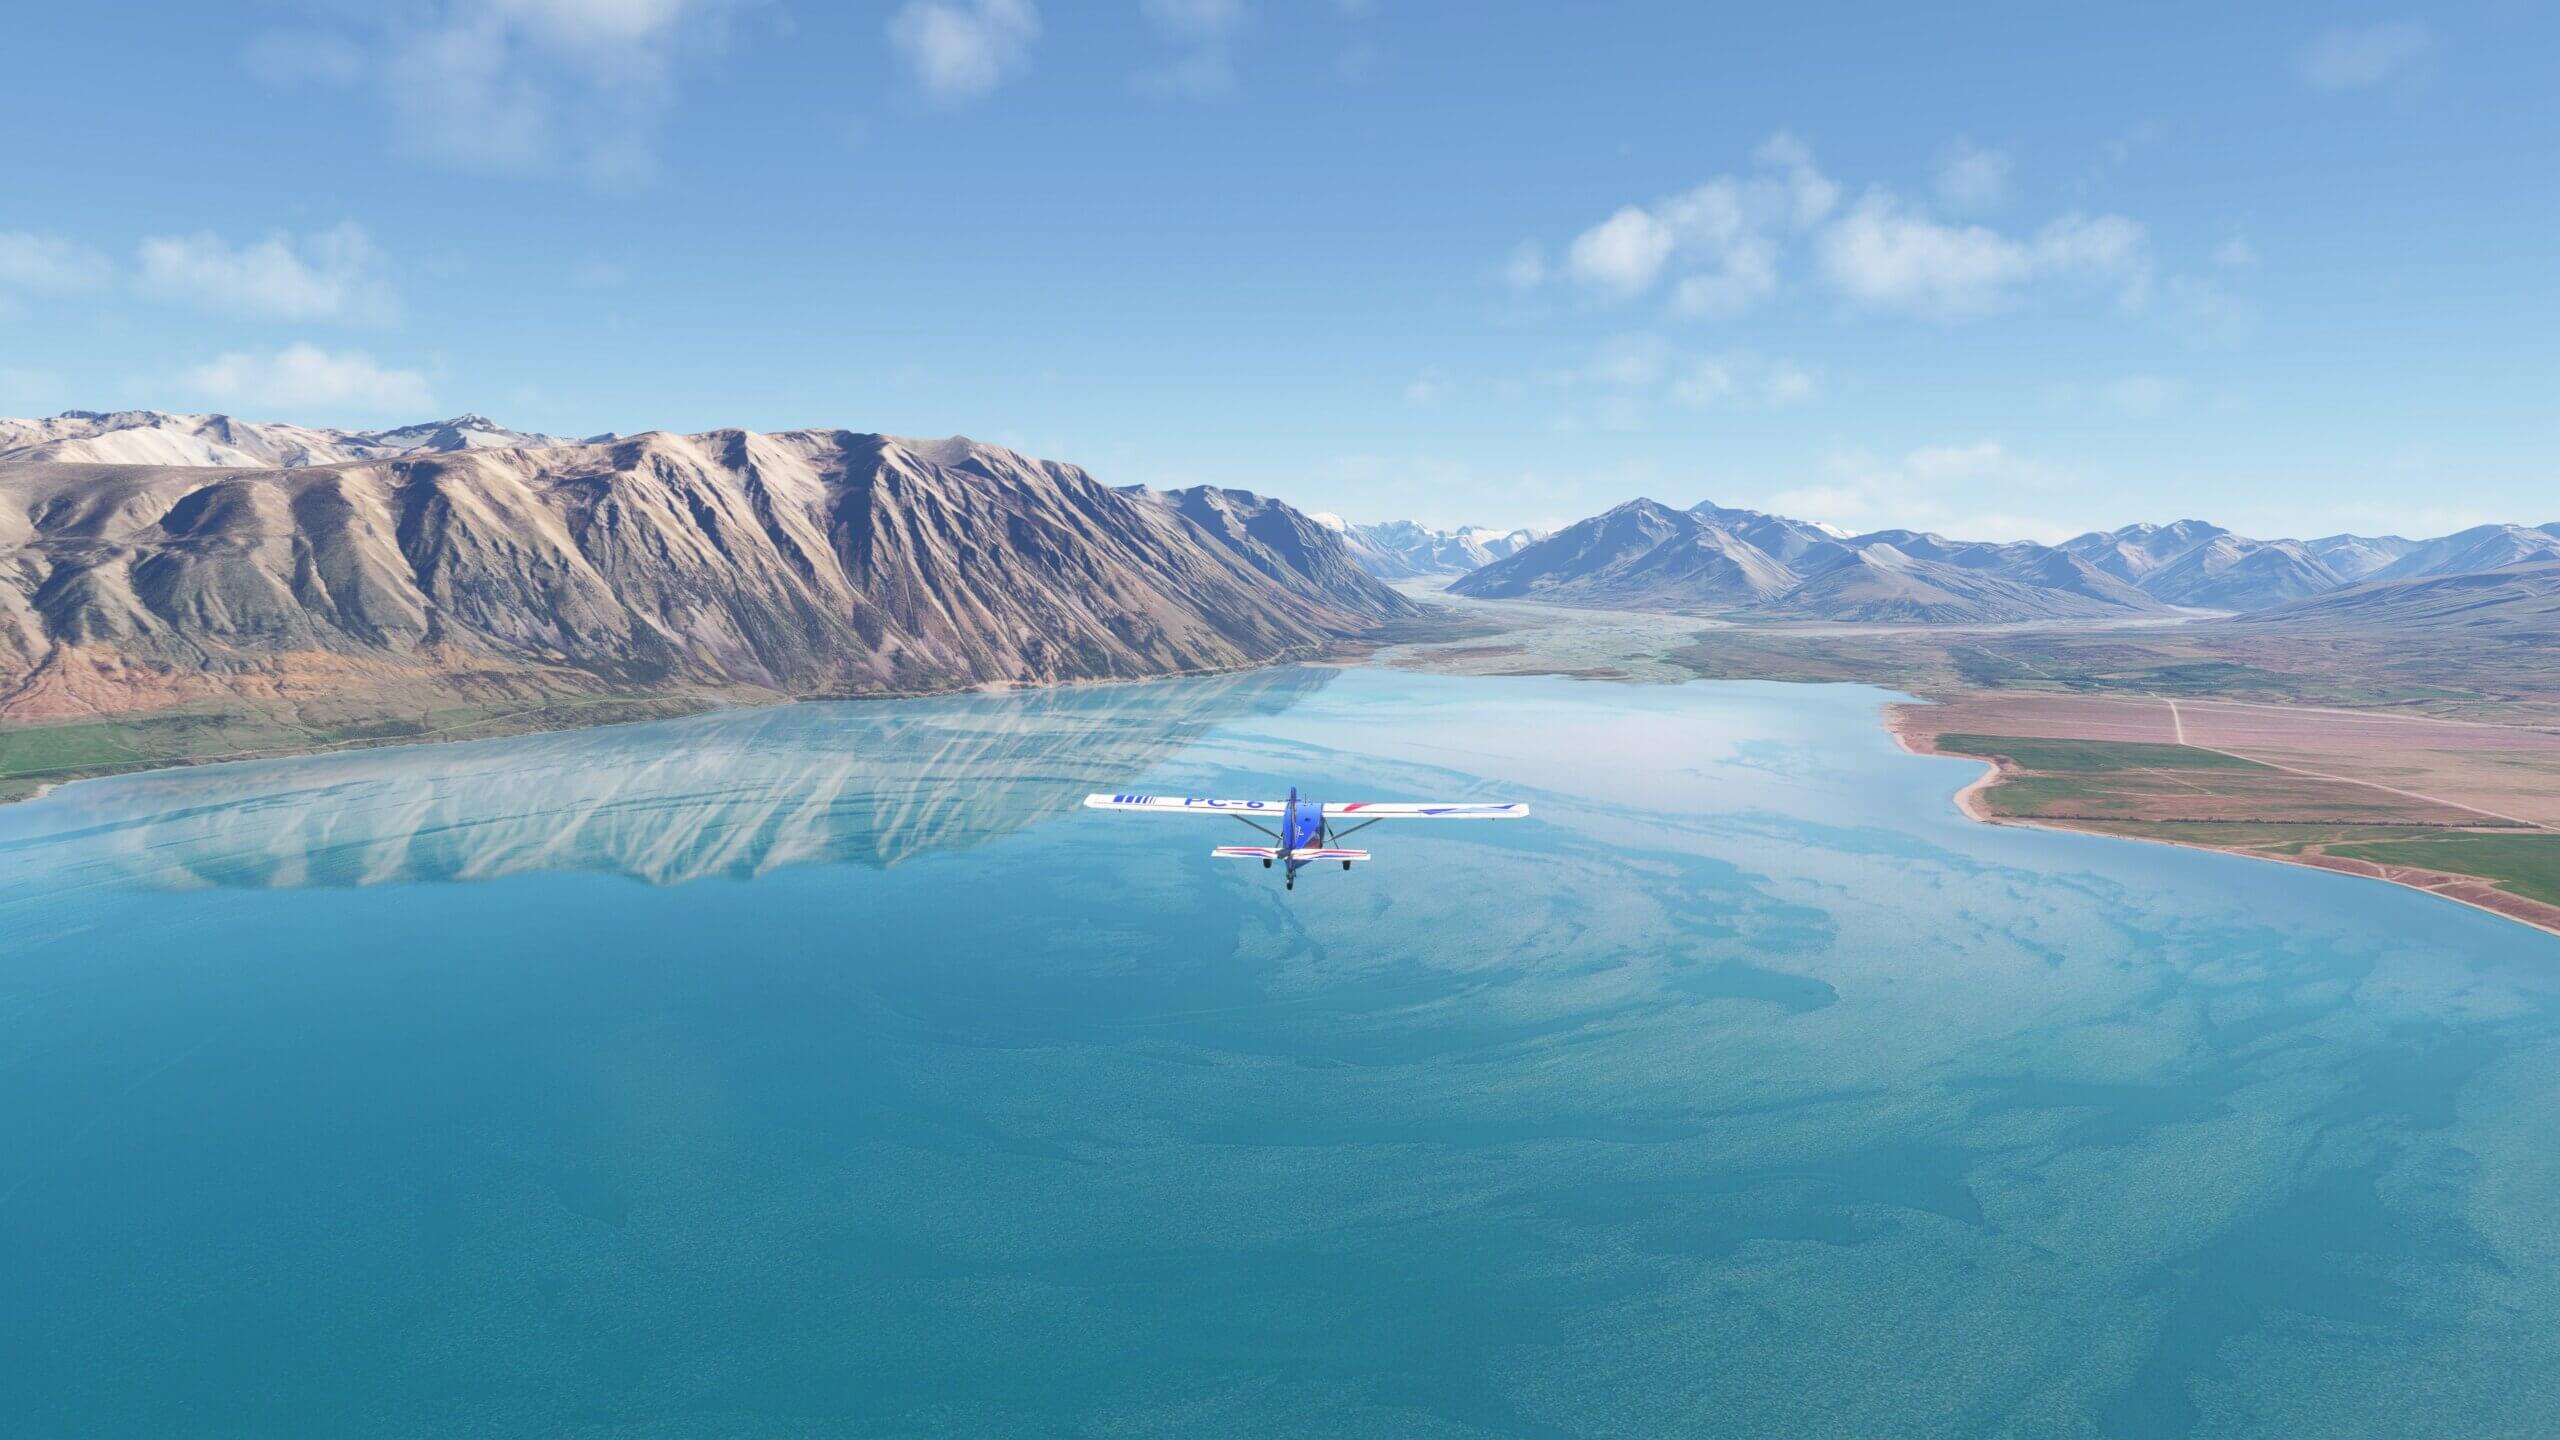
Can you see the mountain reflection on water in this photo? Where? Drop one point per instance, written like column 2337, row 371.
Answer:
column 730, row 795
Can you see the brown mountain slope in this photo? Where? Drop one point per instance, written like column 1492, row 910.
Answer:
column 799, row 563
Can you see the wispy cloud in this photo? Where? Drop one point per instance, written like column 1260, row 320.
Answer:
column 1526, row 266
column 1203, row 33
column 1625, row 380
column 1919, row 490
column 959, row 50
column 335, row 275
column 509, row 87
column 1731, row 243
column 1889, row 257
column 1622, row 255
column 37, row 264
column 2235, row 253
column 1970, row 177
column 1722, row 238
column 2365, row 57
column 304, row 378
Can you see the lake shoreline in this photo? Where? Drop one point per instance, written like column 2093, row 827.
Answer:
column 1973, row 803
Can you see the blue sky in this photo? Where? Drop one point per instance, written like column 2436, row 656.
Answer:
column 2018, row 271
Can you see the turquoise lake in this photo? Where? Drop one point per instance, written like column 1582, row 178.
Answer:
column 826, row 1071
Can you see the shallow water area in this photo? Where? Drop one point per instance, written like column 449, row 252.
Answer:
column 825, row 1070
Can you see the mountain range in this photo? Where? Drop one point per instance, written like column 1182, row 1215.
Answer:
column 2511, row 604
column 1646, row 555
column 156, row 437
column 1404, row 550
column 807, row 562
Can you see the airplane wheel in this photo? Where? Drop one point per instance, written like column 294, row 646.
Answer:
column 1266, row 864
column 1346, row 865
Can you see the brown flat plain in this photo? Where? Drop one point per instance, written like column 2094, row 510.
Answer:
column 2376, row 765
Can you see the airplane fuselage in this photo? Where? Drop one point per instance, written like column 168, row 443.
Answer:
column 1308, row 831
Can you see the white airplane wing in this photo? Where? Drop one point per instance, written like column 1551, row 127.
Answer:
column 1423, row 810
column 1185, row 805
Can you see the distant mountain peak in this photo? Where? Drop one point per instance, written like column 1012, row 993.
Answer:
column 1407, row 549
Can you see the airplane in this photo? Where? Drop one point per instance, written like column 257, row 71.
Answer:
column 1307, row 830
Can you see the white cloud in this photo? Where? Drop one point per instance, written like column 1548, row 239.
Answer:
column 1195, row 19
column 1627, row 376
column 1786, row 385
column 2361, row 57
column 1971, row 177
column 1741, row 378
column 1743, row 275
column 1526, row 267
column 459, row 101
column 509, row 87
column 334, row 275
column 2145, row 396
column 50, row 265
column 961, row 49
column 2235, row 253
column 1962, row 491
column 1810, row 194
column 2203, row 313
column 304, row 378
column 1885, row 256
column 1203, row 74
column 1205, row 31
column 2100, row 244
column 1622, row 255
column 1428, row 388
column 1891, row 258
column 1727, row 234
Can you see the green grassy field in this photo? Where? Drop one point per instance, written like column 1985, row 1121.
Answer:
column 2528, row 865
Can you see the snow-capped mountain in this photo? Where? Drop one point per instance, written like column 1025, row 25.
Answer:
column 156, row 437
column 1402, row 549
column 1710, row 557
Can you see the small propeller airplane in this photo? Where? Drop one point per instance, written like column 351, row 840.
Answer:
column 1308, row 831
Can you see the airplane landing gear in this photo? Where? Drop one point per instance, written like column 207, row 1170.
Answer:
column 1266, row 864
column 1346, row 865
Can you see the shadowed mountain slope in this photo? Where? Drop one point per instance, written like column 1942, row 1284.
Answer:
column 2519, row 603
column 1647, row 555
